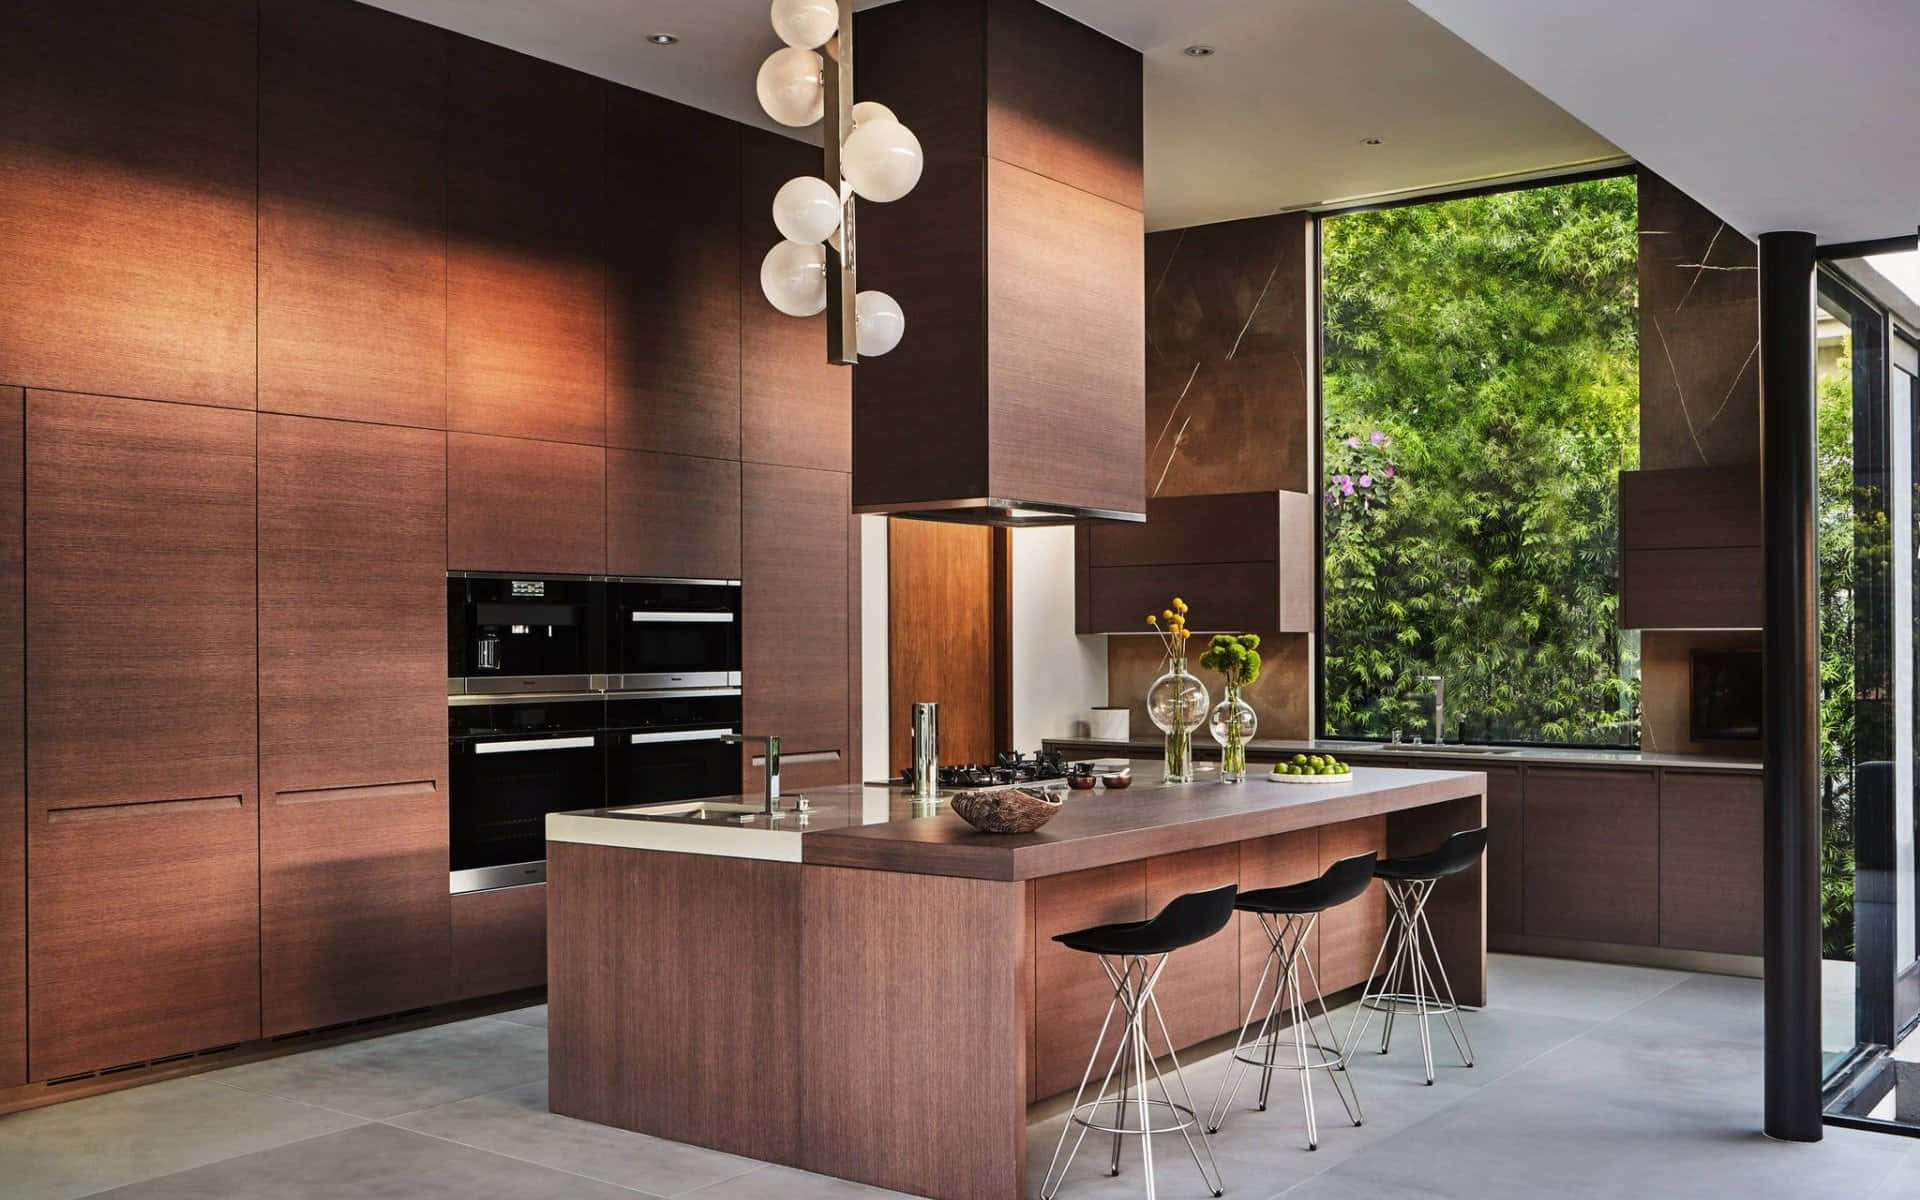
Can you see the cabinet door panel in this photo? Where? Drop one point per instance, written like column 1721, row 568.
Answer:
column 1592, row 846
column 499, row 940
column 13, row 782
column 128, row 184
column 1506, row 825
column 1070, row 992
column 1199, row 990
column 673, row 278
column 672, row 516
column 1350, row 934
column 353, row 834
column 526, row 297
column 353, row 233
column 143, row 878
column 516, row 505
column 795, row 600
column 1275, row 861
column 795, row 407
column 1711, row 862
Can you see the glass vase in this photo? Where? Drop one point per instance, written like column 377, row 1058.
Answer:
column 1177, row 703
column 1232, row 724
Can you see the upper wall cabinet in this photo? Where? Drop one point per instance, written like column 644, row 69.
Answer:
column 673, row 278
column 516, row 505
column 353, row 236
column 143, row 839
column 1241, row 561
column 127, row 176
column 672, row 515
column 13, row 742
column 1690, row 548
column 796, row 409
column 526, row 296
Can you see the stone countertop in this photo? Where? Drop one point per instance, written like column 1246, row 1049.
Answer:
column 1266, row 749
column 884, row 828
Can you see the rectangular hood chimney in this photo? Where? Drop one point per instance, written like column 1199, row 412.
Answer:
column 1017, row 396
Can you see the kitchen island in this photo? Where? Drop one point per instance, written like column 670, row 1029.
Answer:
column 873, row 993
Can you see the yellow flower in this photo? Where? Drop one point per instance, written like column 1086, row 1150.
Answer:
column 1179, row 605
column 1167, row 615
column 1152, row 620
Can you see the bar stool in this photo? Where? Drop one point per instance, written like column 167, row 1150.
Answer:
column 1287, row 916
column 1133, row 954
column 1416, row 980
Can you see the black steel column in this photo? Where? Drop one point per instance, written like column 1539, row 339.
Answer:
column 1792, row 713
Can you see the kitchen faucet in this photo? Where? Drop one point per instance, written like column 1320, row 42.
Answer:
column 772, row 742
column 1439, row 708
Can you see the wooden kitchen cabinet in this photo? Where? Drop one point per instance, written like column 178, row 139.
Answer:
column 13, row 766
column 1070, row 992
column 128, row 180
column 1711, row 839
column 1690, row 548
column 1591, row 839
column 499, row 940
column 674, row 277
column 796, row 408
column 353, row 231
column 526, row 294
column 795, row 598
column 143, row 833
column 353, row 759
column 1275, row 861
column 518, row 505
column 1506, row 830
column 673, row 516
column 1350, row 934
column 1196, row 990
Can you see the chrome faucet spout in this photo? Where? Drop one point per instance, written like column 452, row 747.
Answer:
column 1439, row 708
column 772, row 742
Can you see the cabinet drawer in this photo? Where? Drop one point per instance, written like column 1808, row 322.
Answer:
column 1592, row 847
column 499, row 940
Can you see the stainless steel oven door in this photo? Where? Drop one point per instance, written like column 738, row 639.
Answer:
column 503, row 788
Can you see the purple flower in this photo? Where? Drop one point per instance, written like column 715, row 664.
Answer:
column 1333, row 499
column 1377, row 437
column 1366, row 481
column 1353, row 443
column 1389, row 471
column 1346, row 487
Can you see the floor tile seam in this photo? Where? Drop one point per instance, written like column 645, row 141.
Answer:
column 357, row 1118
column 224, row 1158
column 642, row 1195
column 491, row 1092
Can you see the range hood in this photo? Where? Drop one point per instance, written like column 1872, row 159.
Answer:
column 1018, row 396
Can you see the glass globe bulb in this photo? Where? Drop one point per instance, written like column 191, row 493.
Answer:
column 806, row 209
column 1222, row 715
column 878, row 323
column 1177, row 700
column 882, row 160
column 790, row 88
column 793, row 276
column 805, row 23
column 872, row 111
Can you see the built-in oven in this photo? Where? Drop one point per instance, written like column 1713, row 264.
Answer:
column 512, row 763
column 667, row 746
column 673, row 633
column 508, row 634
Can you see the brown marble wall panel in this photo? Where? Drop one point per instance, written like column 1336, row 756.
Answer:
column 1282, row 698
column 1699, row 335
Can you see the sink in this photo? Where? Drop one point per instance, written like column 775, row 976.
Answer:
column 1430, row 748
column 695, row 810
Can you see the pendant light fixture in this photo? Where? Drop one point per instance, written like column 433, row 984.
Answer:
column 869, row 153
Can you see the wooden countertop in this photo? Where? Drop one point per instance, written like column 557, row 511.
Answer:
column 1100, row 827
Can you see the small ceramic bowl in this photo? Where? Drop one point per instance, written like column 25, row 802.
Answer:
column 1117, row 782
column 1080, row 783
column 1006, row 809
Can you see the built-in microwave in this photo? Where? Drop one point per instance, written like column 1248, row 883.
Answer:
column 514, row 633
column 668, row 746
column 672, row 633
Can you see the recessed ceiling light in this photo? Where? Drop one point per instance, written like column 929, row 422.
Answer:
column 1371, row 141
column 1198, row 50
column 662, row 39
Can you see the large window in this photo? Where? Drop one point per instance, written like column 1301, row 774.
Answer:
column 1480, row 391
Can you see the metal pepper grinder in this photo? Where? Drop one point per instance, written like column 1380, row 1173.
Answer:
column 926, row 749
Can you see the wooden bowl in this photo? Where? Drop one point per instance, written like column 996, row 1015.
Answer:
column 1006, row 809
column 1115, row 782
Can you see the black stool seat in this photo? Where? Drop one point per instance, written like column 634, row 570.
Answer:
column 1191, row 918
column 1342, row 882
column 1453, row 856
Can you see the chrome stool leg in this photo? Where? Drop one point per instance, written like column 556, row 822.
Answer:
column 1133, row 979
column 1416, row 981
column 1286, row 939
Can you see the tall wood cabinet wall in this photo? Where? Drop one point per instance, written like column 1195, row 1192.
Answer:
column 351, row 301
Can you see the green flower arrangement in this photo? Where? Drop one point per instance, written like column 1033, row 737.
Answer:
column 1237, row 657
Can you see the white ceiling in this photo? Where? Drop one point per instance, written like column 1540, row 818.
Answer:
column 1775, row 114
column 1274, row 120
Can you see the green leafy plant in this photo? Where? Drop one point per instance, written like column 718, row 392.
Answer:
column 1235, row 656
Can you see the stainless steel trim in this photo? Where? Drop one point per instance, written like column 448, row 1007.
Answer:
column 522, row 697
column 808, row 756
column 663, row 681
column 486, row 879
column 682, row 735
column 488, row 685
column 672, row 693
column 650, row 617
column 531, row 745
column 665, row 579
column 1014, row 512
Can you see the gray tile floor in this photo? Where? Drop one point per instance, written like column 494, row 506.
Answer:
column 1593, row 1082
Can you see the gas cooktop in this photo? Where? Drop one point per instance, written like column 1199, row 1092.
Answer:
column 1009, row 768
